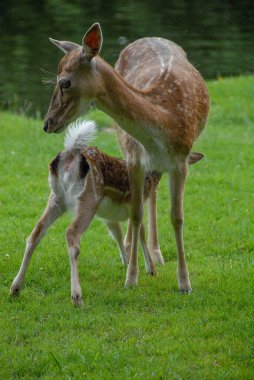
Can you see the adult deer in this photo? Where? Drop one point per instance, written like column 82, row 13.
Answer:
column 161, row 103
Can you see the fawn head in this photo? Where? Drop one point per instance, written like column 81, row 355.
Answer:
column 76, row 80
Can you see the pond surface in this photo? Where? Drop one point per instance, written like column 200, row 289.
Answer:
column 218, row 37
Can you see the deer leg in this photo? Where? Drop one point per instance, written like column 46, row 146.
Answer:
column 177, row 182
column 51, row 213
column 136, row 177
column 128, row 239
column 150, row 267
column 116, row 232
column 153, row 242
column 86, row 210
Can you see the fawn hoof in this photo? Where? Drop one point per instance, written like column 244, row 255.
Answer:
column 152, row 272
column 185, row 291
column 77, row 300
column 157, row 256
column 151, row 268
column 15, row 288
column 14, row 291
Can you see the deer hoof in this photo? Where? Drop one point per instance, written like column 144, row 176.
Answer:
column 131, row 282
column 14, row 292
column 131, row 277
column 157, row 256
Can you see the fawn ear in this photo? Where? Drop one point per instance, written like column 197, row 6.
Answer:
column 194, row 157
column 92, row 41
column 65, row 46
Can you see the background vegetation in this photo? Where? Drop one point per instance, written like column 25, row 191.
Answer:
column 218, row 37
column 151, row 331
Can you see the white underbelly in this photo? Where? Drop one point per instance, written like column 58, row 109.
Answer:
column 112, row 211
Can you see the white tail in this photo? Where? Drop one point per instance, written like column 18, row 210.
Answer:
column 79, row 134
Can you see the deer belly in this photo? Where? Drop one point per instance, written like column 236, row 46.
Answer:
column 113, row 211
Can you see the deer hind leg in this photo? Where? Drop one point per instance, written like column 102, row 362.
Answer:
column 136, row 177
column 116, row 231
column 150, row 267
column 177, row 182
column 153, row 242
column 51, row 213
column 86, row 209
column 128, row 239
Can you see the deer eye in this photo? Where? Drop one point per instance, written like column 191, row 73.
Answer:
column 64, row 83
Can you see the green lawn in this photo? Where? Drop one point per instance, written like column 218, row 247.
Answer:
column 151, row 332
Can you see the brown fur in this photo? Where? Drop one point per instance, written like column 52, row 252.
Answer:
column 103, row 176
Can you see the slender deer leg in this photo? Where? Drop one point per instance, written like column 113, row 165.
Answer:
column 153, row 242
column 51, row 213
column 86, row 210
column 116, row 232
column 136, row 177
column 150, row 267
column 177, row 182
column 128, row 239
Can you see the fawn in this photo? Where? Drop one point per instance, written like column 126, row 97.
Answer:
column 88, row 182
column 160, row 103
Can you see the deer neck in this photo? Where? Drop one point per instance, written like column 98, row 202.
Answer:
column 125, row 104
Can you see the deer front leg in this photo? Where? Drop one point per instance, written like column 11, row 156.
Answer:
column 51, row 213
column 86, row 210
column 150, row 267
column 177, row 182
column 116, row 231
column 136, row 178
column 153, row 241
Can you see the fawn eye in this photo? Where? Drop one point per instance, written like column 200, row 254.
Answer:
column 64, row 83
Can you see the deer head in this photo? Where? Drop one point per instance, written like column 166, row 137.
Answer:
column 77, row 85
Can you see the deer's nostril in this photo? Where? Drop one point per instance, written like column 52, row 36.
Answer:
column 46, row 126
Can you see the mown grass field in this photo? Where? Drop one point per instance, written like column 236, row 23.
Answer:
column 151, row 332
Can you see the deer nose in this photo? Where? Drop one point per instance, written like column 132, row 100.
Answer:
column 47, row 124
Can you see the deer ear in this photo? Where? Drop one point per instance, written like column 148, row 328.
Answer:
column 65, row 46
column 92, row 41
column 194, row 157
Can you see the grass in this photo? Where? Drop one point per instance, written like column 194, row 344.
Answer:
column 150, row 332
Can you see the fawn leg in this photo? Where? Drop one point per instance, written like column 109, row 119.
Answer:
column 128, row 239
column 51, row 213
column 86, row 210
column 150, row 267
column 116, row 231
column 153, row 242
column 136, row 177
column 177, row 181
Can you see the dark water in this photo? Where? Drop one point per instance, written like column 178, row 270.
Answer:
column 218, row 37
